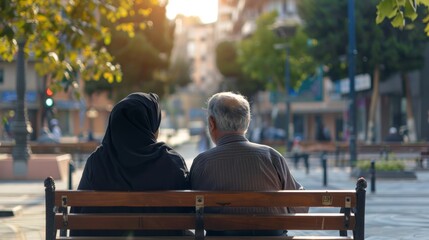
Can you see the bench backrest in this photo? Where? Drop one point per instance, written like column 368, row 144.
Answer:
column 351, row 217
column 72, row 148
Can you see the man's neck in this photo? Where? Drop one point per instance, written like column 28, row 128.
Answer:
column 221, row 134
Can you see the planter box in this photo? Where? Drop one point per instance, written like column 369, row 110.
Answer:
column 409, row 175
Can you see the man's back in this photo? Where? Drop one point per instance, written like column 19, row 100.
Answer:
column 236, row 164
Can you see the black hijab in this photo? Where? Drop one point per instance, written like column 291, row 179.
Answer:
column 129, row 157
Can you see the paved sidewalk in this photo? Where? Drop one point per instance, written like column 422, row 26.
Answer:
column 397, row 210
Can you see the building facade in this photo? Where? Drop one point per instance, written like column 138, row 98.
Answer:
column 71, row 112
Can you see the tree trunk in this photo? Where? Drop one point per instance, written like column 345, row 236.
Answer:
column 410, row 116
column 373, row 107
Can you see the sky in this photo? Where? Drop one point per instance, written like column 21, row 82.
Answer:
column 205, row 9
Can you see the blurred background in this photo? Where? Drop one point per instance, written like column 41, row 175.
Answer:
column 289, row 57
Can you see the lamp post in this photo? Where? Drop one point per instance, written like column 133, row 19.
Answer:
column 351, row 70
column 21, row 127
column 287, row 84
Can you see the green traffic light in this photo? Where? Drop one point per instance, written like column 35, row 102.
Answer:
column 49, row 102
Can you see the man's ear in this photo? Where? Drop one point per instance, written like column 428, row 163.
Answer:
column 212, row 123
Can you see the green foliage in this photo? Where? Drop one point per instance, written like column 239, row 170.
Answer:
column 94, row 86
column 392, row 165
column 144, row 58
column 179, row 73
column 302, row 63
column 234, row 78
column 226, row 59
column 396, row 50
column 257, row 56
column 398, row 12
column 326, row 22
column 261, row 61
column 61, row 35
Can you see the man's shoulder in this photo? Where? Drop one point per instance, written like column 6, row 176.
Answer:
column 262, row 147
column 208, row 153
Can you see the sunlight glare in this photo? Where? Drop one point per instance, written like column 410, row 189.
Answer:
column 205, row 9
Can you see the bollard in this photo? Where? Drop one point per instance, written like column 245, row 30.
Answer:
column 71, row 170
column 325, row 170
column 307, row 164
column 372, row 171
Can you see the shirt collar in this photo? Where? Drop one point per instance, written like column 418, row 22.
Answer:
column 231, row 138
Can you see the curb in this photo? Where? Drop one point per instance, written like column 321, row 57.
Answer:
column 10, row 212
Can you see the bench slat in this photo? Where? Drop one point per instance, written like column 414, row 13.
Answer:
column 214, row 238
column 58, row 201
column 306, row 198
column 327, row 221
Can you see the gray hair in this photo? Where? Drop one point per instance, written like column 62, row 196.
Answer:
column 231, row 111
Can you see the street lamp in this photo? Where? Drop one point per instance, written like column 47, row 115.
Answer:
column 285, row 46
column 21, row 127
column 351, row 68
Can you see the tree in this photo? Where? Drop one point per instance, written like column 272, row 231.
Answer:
column 331, row 35
column 228, row 65
column 144, row 57
column 226, row 59
column 61, row 35
column 257, row 56
column 400, row 13
column 382, row 50
column 180, row 72
column 260, row 61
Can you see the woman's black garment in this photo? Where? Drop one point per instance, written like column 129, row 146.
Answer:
column 130, row 159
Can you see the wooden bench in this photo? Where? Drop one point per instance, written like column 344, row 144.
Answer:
column 318, row 149
column 78, row 147
column 77, row 150
column 384, row 149
column 349, row 215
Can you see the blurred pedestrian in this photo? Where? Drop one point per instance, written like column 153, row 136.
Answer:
column 6, row 127
column 56, row 130
column 130, row 159
column 7, row 121
column 46, row 136
column 298, row 153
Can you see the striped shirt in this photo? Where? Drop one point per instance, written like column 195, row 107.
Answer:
column 236, row 164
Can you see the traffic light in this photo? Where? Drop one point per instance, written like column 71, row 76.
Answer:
column 49, row 100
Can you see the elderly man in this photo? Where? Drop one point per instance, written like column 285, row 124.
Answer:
column 236, row 164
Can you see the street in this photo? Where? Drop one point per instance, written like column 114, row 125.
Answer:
column 397, row 210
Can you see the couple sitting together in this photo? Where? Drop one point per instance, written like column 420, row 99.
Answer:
column 130, row 159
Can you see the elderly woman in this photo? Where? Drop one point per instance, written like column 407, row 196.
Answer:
column 131, row 159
